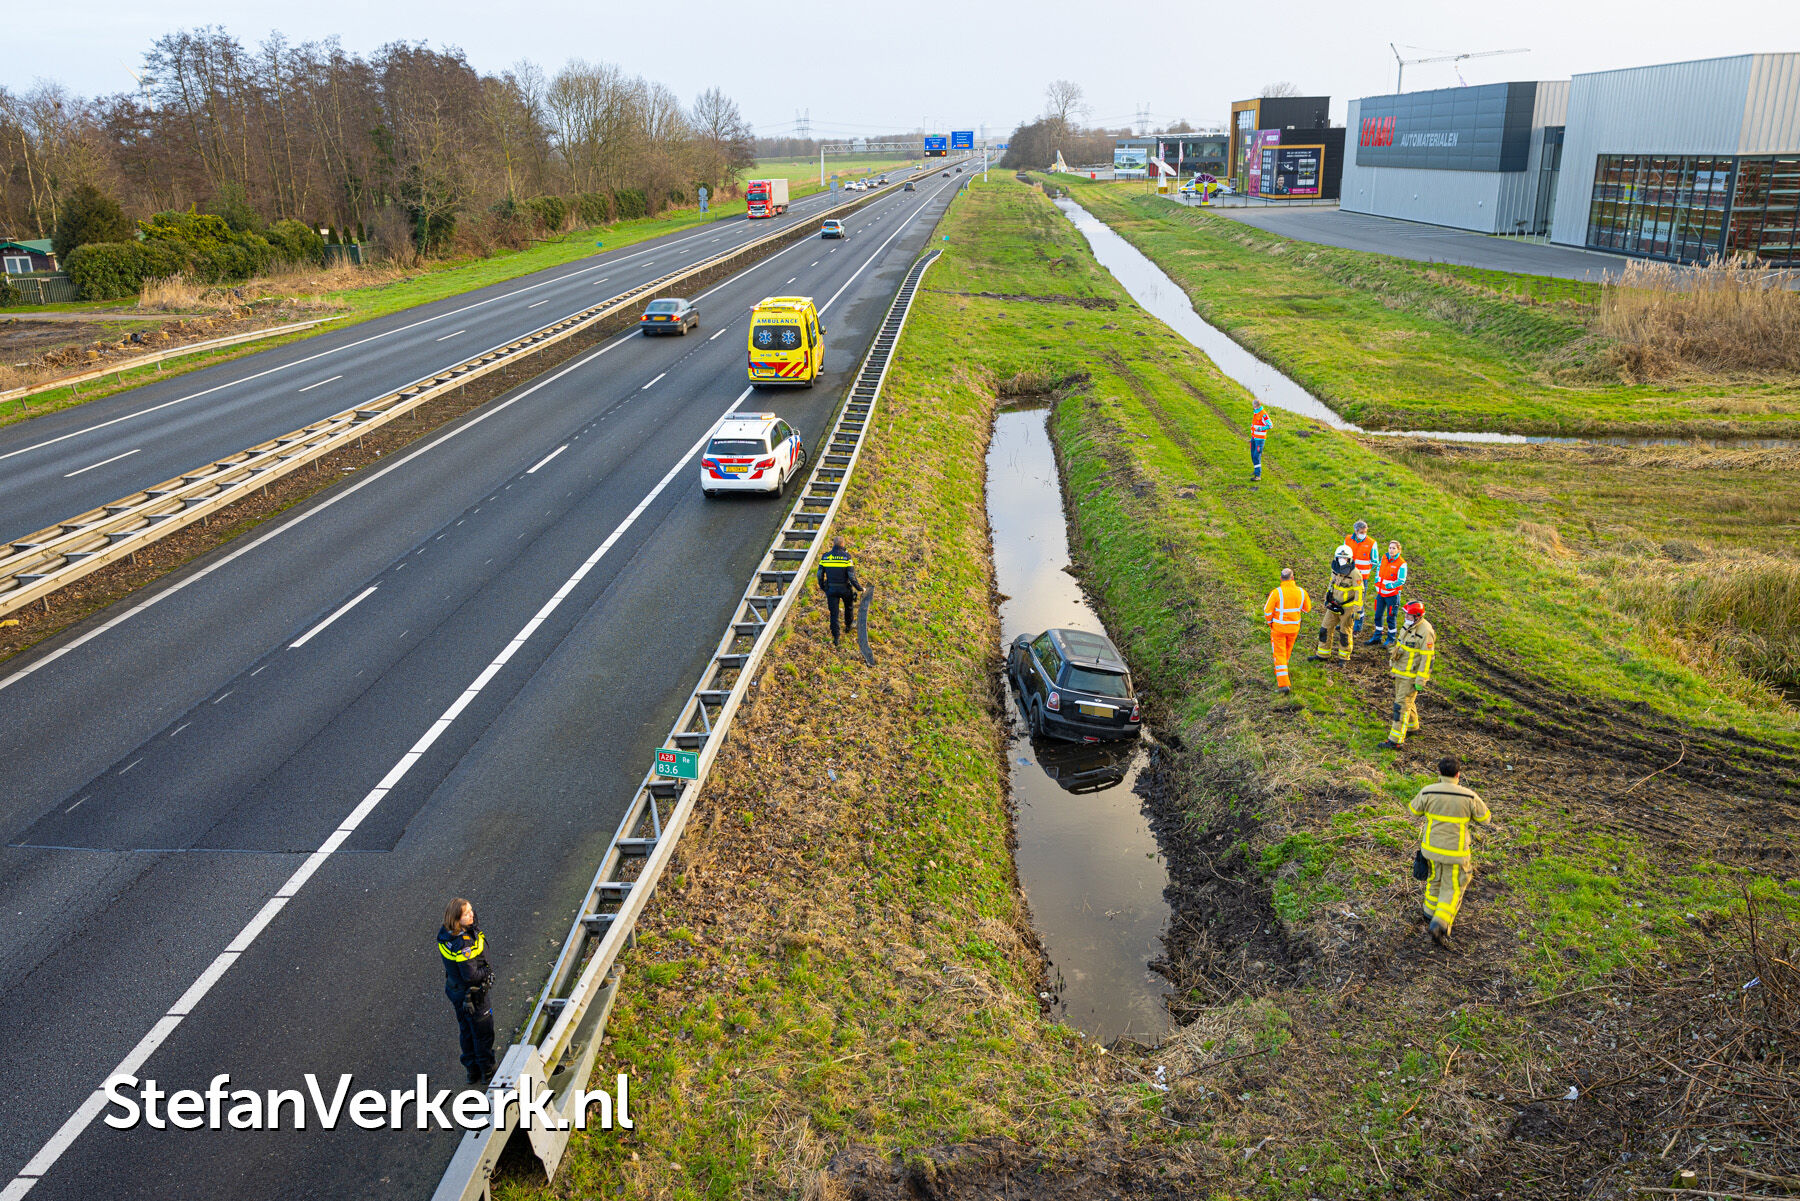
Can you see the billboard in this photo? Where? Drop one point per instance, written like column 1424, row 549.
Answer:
column 962, row 139
column 936, row 146
column 1291, row 170
column 1131, row 162
column 1484, row 128
column 1260, row 140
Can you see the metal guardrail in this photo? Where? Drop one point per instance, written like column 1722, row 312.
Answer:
column 34, row 566
column 161, row 356
column 564, row 1032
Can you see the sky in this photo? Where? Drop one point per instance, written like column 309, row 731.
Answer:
column 864, row 68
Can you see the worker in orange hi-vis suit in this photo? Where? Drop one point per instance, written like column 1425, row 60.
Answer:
column 1282, row 613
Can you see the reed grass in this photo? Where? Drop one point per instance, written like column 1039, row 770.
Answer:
column 1727, row 315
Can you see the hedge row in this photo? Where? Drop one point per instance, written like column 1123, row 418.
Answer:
column 198, row 245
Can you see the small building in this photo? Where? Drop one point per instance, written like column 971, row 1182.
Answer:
column 1269, row 112
column 26, row 258
column 1188, row 153
column 1482, row 158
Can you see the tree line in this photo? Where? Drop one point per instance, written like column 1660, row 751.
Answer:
column 410, row 148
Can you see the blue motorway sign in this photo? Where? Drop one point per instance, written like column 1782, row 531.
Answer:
column 962, row 139
column 936, row 146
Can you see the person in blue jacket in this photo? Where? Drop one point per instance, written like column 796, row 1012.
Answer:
column 467, row 979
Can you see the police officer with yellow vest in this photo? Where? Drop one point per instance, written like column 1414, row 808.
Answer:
column 1343, row 606
column 837, row 580
column 1409, row 662
column 467, row 978
column 1447, row 808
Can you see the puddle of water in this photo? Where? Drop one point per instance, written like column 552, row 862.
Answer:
column 1088, row 863
column 1164, row 299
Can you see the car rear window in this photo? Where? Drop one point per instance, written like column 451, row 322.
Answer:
column 664, row 306
column 737, row 446
column 776, row 337
column 1100, row 683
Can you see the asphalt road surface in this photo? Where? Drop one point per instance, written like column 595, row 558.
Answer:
column 77, row 459
column 234, row 806
column 1426, row 243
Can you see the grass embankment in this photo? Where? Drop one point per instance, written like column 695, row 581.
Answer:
column 840, row 965
column 1395, row 345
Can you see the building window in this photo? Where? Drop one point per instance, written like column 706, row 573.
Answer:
column 18, row 264
column 1687, row 208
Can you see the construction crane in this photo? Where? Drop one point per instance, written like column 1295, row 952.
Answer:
column 1400, row 75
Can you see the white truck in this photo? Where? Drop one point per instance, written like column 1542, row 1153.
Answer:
column 767, row 197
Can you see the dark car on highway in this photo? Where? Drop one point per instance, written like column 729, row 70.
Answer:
column 669, row 315
column 1074, row 684
column 908, row 187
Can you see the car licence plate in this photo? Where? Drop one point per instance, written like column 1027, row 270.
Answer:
column 1095, row 710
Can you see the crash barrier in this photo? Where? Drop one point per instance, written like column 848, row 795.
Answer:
column 33, row 567
column 147, row 360
column 566, row 1026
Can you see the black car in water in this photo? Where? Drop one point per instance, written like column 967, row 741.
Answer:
column 1074, row 684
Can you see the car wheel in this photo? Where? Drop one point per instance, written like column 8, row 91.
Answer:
column 684, row 329
column 781, row 483
column 1036, row 720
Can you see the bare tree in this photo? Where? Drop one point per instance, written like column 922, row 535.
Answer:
column 722, row 136
column 1063, row 101
column 1278, row 89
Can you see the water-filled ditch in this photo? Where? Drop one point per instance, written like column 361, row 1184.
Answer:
column 1088, row 862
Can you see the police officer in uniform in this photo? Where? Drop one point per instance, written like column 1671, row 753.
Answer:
column 467, row 978
column 837, row 580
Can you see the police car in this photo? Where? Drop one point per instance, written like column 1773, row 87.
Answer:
column 751, row 452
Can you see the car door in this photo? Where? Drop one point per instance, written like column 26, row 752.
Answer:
column 1045, row 664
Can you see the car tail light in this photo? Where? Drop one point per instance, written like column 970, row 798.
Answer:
column 764, row 464
column 1137, row 714
column 1054, row 701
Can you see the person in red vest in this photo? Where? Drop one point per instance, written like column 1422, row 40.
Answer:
column 1282, row 613
column 1259, row 430
column 1390, row 581
column 1363, row 550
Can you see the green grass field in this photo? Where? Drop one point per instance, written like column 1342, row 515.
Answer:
column 1392, row 344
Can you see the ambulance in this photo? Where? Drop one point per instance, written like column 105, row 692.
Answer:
column 787, row 343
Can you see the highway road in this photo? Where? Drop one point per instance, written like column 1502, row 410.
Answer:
column 234, row 806
column 77, row 459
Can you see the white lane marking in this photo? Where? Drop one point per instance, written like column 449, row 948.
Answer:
column 322, row 383
column 131, row 765
column 231, row 691
column 336, row 350
column 260, row 670
column 542, row 461
column 458, row 333
column 75, row 806
column 101, row 463
column 541, row 302
column 652, row 383
column 90, row 1109
column 814, row 263
column 791, row 279
column 178, row 729
column 716, row 335
column 349, row 605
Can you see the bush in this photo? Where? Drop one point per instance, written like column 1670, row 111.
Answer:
column 296, row 242
column 9, row 295
column 232, row 205
column 89, row 215
column 550, row 212
column 107, row 270
column 631, row 203
column 593, row 208
column 209, row 249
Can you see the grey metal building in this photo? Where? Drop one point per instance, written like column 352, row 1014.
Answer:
column 1685, row 161
column 1481, row 158
column 1681, row 161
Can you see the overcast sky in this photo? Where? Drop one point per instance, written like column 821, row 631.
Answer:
column 863, row 68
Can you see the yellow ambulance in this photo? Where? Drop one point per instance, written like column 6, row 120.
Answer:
column 787, row 343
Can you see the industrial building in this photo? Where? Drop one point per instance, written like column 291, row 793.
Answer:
column 1188, row 152
column 1681, row 161
column 1270, row 112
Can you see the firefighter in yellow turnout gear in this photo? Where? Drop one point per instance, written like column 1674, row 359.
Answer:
column 1447, row 808
column 1409, row 662
column 1343, row 607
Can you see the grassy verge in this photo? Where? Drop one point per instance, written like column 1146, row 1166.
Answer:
column 1393, row 344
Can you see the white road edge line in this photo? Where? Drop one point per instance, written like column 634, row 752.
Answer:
column 83, row 1117
column 542, row 461
column 349, row 605
column 103, row 462
column 652, row 383
column 321, row 383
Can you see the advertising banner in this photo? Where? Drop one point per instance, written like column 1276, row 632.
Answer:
column 1482, row 128
column 962, row 139
column 1253, row 160
column 1131, row 162
column 1291, row 170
